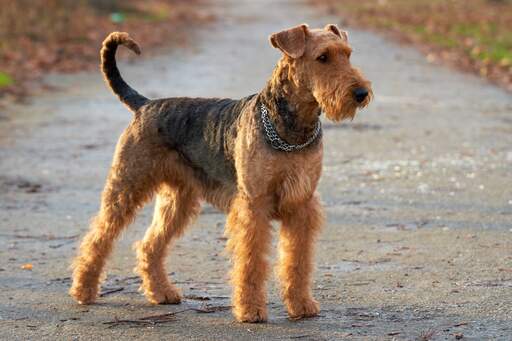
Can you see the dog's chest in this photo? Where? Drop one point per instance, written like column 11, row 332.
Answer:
column 298, row 178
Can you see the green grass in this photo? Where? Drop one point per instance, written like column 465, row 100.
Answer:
column 442, row 40
column 5, row 80
column 157, row 16
column 154, row 15
column 493, row 46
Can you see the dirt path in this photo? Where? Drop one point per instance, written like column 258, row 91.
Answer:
column 418, row 195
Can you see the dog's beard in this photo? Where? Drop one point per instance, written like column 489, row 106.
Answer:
column 339, row 104
column 338, row 109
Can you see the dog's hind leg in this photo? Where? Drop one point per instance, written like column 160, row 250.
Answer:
column 131, row 183
column 174, row 210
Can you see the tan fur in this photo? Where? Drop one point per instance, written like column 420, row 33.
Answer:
column 270, row 185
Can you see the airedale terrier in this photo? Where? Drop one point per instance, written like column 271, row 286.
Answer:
column 258, row 159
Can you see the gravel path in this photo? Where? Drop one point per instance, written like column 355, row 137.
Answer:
column 417, row 189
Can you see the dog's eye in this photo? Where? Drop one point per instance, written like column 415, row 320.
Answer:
column 322, row 58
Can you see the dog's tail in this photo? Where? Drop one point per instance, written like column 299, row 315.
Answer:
column 131, row 98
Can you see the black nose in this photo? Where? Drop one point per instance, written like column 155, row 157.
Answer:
column 360, row 94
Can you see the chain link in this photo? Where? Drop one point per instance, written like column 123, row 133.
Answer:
column 277, row 142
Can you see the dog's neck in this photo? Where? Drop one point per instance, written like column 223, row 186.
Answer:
column 292, row 109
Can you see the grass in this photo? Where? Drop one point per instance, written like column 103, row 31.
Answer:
column 5, row 80
column 476, row 35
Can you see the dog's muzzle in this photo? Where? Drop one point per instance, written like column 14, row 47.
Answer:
column 360, row 94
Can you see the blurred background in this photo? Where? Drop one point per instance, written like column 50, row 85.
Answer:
column 473, row 35
column 42, row 36
column 38, row 36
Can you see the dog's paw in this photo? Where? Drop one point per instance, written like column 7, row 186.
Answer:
column 250, row 314
column 303, row 308
column 83, row 295
column 165, row 295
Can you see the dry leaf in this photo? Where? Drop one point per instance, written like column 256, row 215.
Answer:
column 27, row 266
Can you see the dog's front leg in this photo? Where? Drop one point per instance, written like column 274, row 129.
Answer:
column 249, row 232
column 300, row 225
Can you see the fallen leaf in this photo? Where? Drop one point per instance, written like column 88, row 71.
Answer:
column 27, row 266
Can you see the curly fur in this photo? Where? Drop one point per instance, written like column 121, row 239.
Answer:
column 188, row 150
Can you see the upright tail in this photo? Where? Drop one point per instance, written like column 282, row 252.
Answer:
column 131, row 98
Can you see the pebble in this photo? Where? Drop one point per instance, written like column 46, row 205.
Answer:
column 509, row 156
column 423, row 188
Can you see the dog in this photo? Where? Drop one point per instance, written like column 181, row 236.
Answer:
column 258, row 159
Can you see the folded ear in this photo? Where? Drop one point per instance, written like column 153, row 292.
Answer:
column 292, row 41
column 334, row 29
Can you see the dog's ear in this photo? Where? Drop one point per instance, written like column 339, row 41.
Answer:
column 292, row 41
column 334, row 29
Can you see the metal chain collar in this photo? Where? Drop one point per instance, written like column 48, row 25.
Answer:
column 277, row 142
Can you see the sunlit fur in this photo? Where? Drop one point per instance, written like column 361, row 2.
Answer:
column 268, row 184
column 337, row 100
column 331, row 83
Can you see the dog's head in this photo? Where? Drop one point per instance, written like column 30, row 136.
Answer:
column 319, row 63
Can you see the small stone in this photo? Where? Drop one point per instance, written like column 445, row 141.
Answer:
column 509, row 156
column 423, row 188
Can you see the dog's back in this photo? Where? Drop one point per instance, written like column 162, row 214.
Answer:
column 203, row 132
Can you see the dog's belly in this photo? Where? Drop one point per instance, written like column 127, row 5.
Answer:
column 208, row 166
